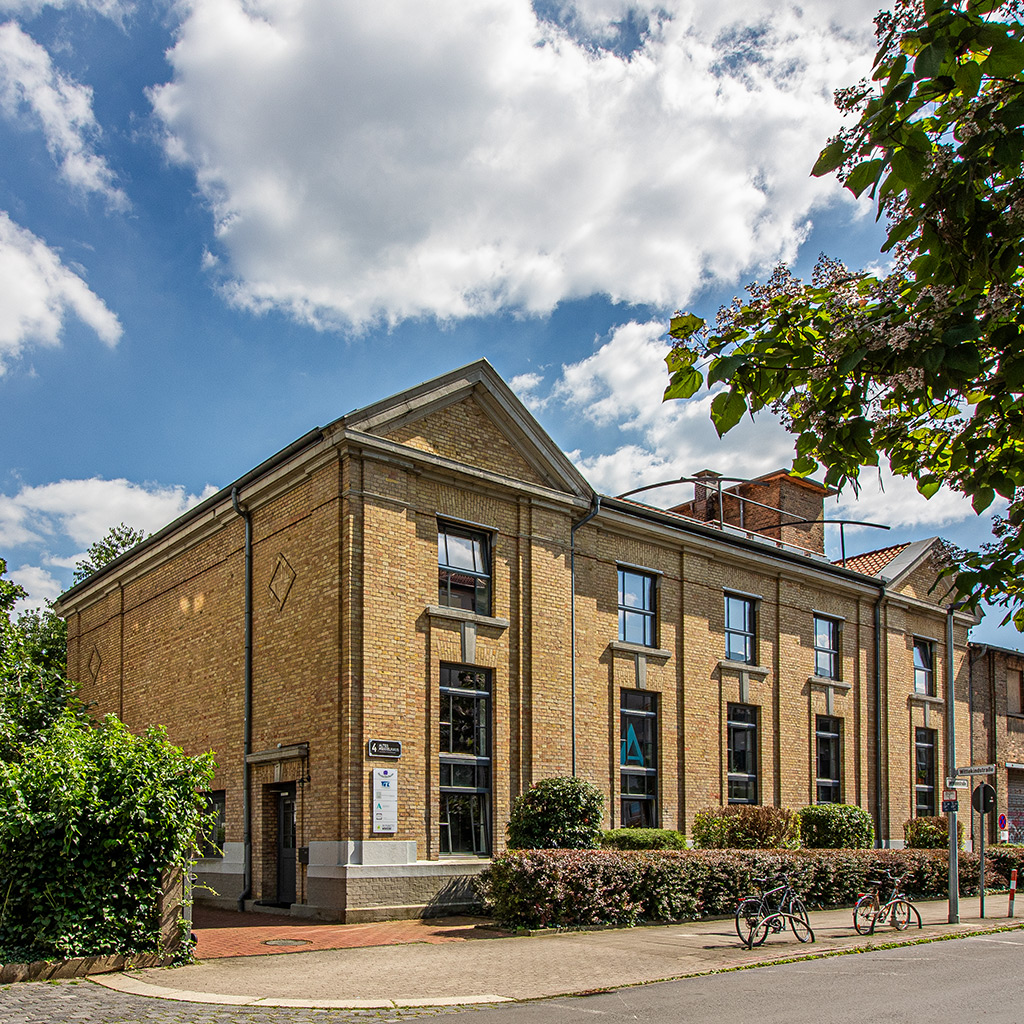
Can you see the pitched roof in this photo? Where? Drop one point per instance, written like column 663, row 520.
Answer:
column 871, row 563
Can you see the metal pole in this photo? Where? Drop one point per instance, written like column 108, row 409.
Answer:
column 951, row 824
column 981, row 823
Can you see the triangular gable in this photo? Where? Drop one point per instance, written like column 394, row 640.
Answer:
column 471, row 416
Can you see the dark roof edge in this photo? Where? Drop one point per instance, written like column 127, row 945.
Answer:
column 762, row 547
column 307, row 440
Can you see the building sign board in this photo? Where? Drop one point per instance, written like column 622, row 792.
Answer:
column 385, row 800
column 384, row 748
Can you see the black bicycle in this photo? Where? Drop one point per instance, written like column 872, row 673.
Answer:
column 896, row 907
column 775, row 907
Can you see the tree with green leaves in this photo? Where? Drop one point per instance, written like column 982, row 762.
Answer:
column 114, row 542
column 922, row 365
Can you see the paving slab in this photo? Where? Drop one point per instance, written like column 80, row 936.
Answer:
column 534, row 966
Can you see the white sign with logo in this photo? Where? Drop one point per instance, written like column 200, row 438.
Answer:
column 385, row 800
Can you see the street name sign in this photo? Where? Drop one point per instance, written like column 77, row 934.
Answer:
column 977, row 769
column 954, row 783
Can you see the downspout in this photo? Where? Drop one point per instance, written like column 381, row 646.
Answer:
column 878, row 713
column 595, row 507
column 247, row 719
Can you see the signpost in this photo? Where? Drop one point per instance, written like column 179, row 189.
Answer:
column 983, row 800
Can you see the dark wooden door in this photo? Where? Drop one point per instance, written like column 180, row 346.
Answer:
column 286, row 845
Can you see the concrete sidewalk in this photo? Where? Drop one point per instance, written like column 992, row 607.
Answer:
column 495, row 969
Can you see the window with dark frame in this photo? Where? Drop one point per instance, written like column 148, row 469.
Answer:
column 211, row 843
column 740, row 628
column 637, row 616
column 924, row 772
column 465, row 768
column 1014, row 691
column 742, row 740
column 826, row 647
column 924, row 667
column 463, row 568
column 638, row 758
column 828, row 745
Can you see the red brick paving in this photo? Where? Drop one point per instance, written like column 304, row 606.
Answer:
column 221, row 933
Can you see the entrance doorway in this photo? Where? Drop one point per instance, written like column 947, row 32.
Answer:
column 286, row 843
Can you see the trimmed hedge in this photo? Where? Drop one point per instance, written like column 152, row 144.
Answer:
column 579, row 888
column 931, row 832
column 643, row 839
column 562, row 813
column 746, row 827
column 836, row 827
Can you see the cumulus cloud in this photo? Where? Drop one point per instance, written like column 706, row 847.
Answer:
column 41, row 586
column 37, row 294
column 620, row 385
column 374, row 162
column 83, row 510
column 31, row 88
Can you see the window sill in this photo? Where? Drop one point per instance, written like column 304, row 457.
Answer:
column 836, row 684
column 924, row 698
column 624, row 647
column 742, row 666
column 437, row 611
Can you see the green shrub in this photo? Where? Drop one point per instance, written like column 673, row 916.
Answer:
column 836, row 827
column 578, row 888
column 930, row 833
column 560, row 813
column 643, row 839
column 746, row 827
column 90, row 818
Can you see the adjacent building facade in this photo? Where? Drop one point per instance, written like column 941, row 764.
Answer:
column 393, row 627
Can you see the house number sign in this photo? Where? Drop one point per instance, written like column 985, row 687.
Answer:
column 384, row 748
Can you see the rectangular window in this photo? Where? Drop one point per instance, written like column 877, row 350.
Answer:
column 826, row 647
column 636, row 607
column 463, row 568
column 924, row 772
column 827, row 742
column 212, row 841
column 740, row 628
column 1014, row 682
column 465, row 760
column 638, row 758
column 924, row 668
column 742, row 726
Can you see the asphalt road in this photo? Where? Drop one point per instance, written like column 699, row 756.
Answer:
column 965, row 981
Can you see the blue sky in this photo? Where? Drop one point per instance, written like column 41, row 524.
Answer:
column 224, row 222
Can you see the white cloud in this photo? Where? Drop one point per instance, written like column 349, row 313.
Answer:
column 83, row 510
column 621, row 385
column 525, row 386
column 41, row 585
column 116, row 10
column 382, row 161
column 31, row 86
column 38, row 292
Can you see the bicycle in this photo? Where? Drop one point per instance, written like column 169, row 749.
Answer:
column 772, row 910
column 869, row 909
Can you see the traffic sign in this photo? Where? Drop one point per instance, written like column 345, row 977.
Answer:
column 1002, row 822
column 983, row 799
column 950, row 794
column 948, row 805
column 977, row 769
column 954, row 783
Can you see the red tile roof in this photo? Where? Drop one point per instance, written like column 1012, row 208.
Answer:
column 871, row 563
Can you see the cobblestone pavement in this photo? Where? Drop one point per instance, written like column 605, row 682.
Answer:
column 81, row 1002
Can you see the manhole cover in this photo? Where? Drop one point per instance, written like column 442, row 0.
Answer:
column 286, row 942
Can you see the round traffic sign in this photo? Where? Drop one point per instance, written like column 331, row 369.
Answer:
column 983, row 799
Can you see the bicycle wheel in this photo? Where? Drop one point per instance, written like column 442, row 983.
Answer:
column 771, row 923
column 797, row 909
column 748, row 913
column 899, row 914
column 864, row 914
column 800, row 927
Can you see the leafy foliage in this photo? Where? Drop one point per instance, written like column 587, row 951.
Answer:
column 745, row 827
column 114, row 542
column 581, row 888
column 924, row 364
column 559, row 813
column 44, row 635
column 836, row 827
column 643, row 839
column 90, row 817
column 930, row 833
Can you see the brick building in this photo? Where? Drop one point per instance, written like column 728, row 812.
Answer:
column 430, row 577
